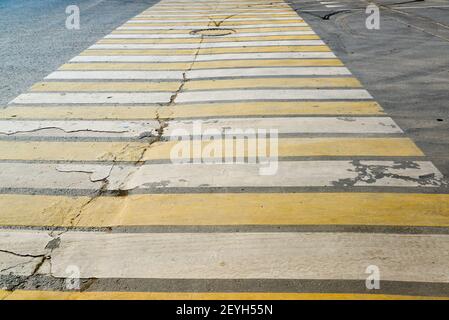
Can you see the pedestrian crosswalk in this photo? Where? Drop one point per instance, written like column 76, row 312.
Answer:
column 87, row 178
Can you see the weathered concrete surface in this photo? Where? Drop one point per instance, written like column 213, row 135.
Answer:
column 131, row 220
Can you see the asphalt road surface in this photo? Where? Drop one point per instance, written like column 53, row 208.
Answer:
column 351, row 184
column 35, row 40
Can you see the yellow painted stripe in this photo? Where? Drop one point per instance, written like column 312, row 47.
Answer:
column 203, row 64
column 321, row 48
column 106, row 86
column 247, row 30
column 116, row 295
column 133, row 52
column 219, row 7
column 384, row 209
column 195, row 85
column 273, row 82
column 225, row 23
column 123, row 151
column 144, row 52
column 195, row 110
column 213, row 39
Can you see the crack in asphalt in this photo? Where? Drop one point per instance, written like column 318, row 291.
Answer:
column 22, row 255
column 61, row 129
column 371, row 173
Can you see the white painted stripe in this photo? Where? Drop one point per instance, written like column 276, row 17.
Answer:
column 168, row 175
column 92, row 128
column 247, row 26
column 199, row 74
column 187, row 35
column 206, row 2
column 181, row 58
column 85, row 128
column 219, row 9
column 264, row 55
column 97, row 97
column 335, row 5
column 283, row 255
column 211, row 57
column 209, row 44
column 378, row 125
column 125, row 75
column 276, row 71
column 209, row 20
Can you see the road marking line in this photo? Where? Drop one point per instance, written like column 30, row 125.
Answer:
column 272, row 95
column 196, row 39
column 382, row 125
column 201, row 65
column 195, row 85
column 272, row 83
column 210, row 51
column 187, row 32
column 288, row 125
column 268, row 71
column 125, row 75
column 93, row 97
column 158, row 177
column 213, row 57
column 216, row 16
column 225, row 209
column 125, row 295
column 206, row 45
column 170, row 86
column 170, row 21
column 199, row 26
column 189, row 36
column 198, row 74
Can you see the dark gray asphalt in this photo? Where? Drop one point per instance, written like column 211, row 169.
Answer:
column 34, row 40
column 404, row 64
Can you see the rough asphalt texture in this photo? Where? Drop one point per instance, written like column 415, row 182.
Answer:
column 404, row 64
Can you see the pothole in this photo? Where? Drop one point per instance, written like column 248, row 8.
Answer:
column 213, row 32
